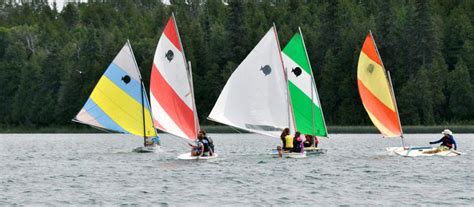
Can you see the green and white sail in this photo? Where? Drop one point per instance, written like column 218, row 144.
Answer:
column 305, row 104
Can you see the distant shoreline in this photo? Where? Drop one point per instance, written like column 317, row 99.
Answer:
column 225, row 129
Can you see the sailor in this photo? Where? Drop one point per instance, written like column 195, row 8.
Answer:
column 288, row 143
column 309, row 141
column 298, row 143
column 447, row 141
column 197, row 149
column 155, row 140
column 283, row 135
column 208, row 143
column 315, row 141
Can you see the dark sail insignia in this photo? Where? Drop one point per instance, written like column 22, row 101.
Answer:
column 126, row 79
column 296, row 71
column 370, row 68
column 169, row 55
column 266, row 70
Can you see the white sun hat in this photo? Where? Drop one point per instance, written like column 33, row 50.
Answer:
column 446, row 132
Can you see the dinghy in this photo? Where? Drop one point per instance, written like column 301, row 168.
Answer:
column 422, row 151
column 118, row 102
column 378, row 98
column 255, row 97
column 305, row 106
column 171, row 87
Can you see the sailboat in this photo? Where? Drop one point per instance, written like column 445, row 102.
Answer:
column 118, row 102
column 171, row 88
column 306, row 107
column 255, row 97
column 378, row 98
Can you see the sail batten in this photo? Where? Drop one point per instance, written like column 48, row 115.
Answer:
column 376, row 91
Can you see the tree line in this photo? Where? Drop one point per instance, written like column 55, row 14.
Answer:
column 50, row 59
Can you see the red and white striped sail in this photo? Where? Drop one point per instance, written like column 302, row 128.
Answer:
column 171, row 92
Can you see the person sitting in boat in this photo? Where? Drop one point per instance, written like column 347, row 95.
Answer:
column 155, row 140
column 447, row 141
column 315, row 141
column 197, row 149
column 280, row 151
column 208, row 143
column 309, row 141
column 288, row 143
column 151, row 142
column 298, row 143
column 284, row 133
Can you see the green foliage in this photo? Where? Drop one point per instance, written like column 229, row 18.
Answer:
column 461, row 99
column 50, row 60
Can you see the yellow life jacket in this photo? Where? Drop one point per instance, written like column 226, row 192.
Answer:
column 289, row 141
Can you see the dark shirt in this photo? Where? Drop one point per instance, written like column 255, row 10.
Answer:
column 205, row 142
column 448, row 141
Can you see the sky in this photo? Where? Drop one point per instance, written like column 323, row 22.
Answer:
column 60, row 3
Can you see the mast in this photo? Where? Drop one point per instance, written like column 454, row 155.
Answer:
column 143, row 114
column 290, row 106
column 387, row 75
column 141, row 90
column 395, row 102
column 196, row 120
column 315, row 88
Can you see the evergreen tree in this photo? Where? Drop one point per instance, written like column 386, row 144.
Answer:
column 461, row 99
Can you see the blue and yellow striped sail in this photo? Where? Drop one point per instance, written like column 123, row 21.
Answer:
column 116, row 101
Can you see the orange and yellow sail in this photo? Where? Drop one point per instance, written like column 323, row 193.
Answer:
column 375, row 90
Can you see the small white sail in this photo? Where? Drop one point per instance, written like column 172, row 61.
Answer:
column 255, row 97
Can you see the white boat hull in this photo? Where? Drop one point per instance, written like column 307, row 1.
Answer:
column 150, row 149
column 187, row 156
column 422, row 151
column 295, row 155
column 307, row 152
column 314, row 151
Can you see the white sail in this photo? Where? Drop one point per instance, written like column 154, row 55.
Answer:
column 255, row 97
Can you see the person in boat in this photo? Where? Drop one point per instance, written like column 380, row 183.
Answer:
column 284, row 133
column 309, row 141
column 315, row 141
column 197, row 149
column 151, row 142
column 298, row 143
column 447, row 141
column 280, row 151
column 288, row 143
column 208, row 143
column 155, row 140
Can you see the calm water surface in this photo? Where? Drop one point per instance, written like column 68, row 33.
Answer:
column 100, row 169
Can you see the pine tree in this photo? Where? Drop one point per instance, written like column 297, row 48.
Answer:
column 461, row 99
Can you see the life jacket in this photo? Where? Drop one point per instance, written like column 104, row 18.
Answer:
column 197, row 149
column 447, row 141
column 210, row 142
column 205, row 142
column 289, row 142
column 298, row 145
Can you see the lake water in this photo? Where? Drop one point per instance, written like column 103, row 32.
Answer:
column 100, row 169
